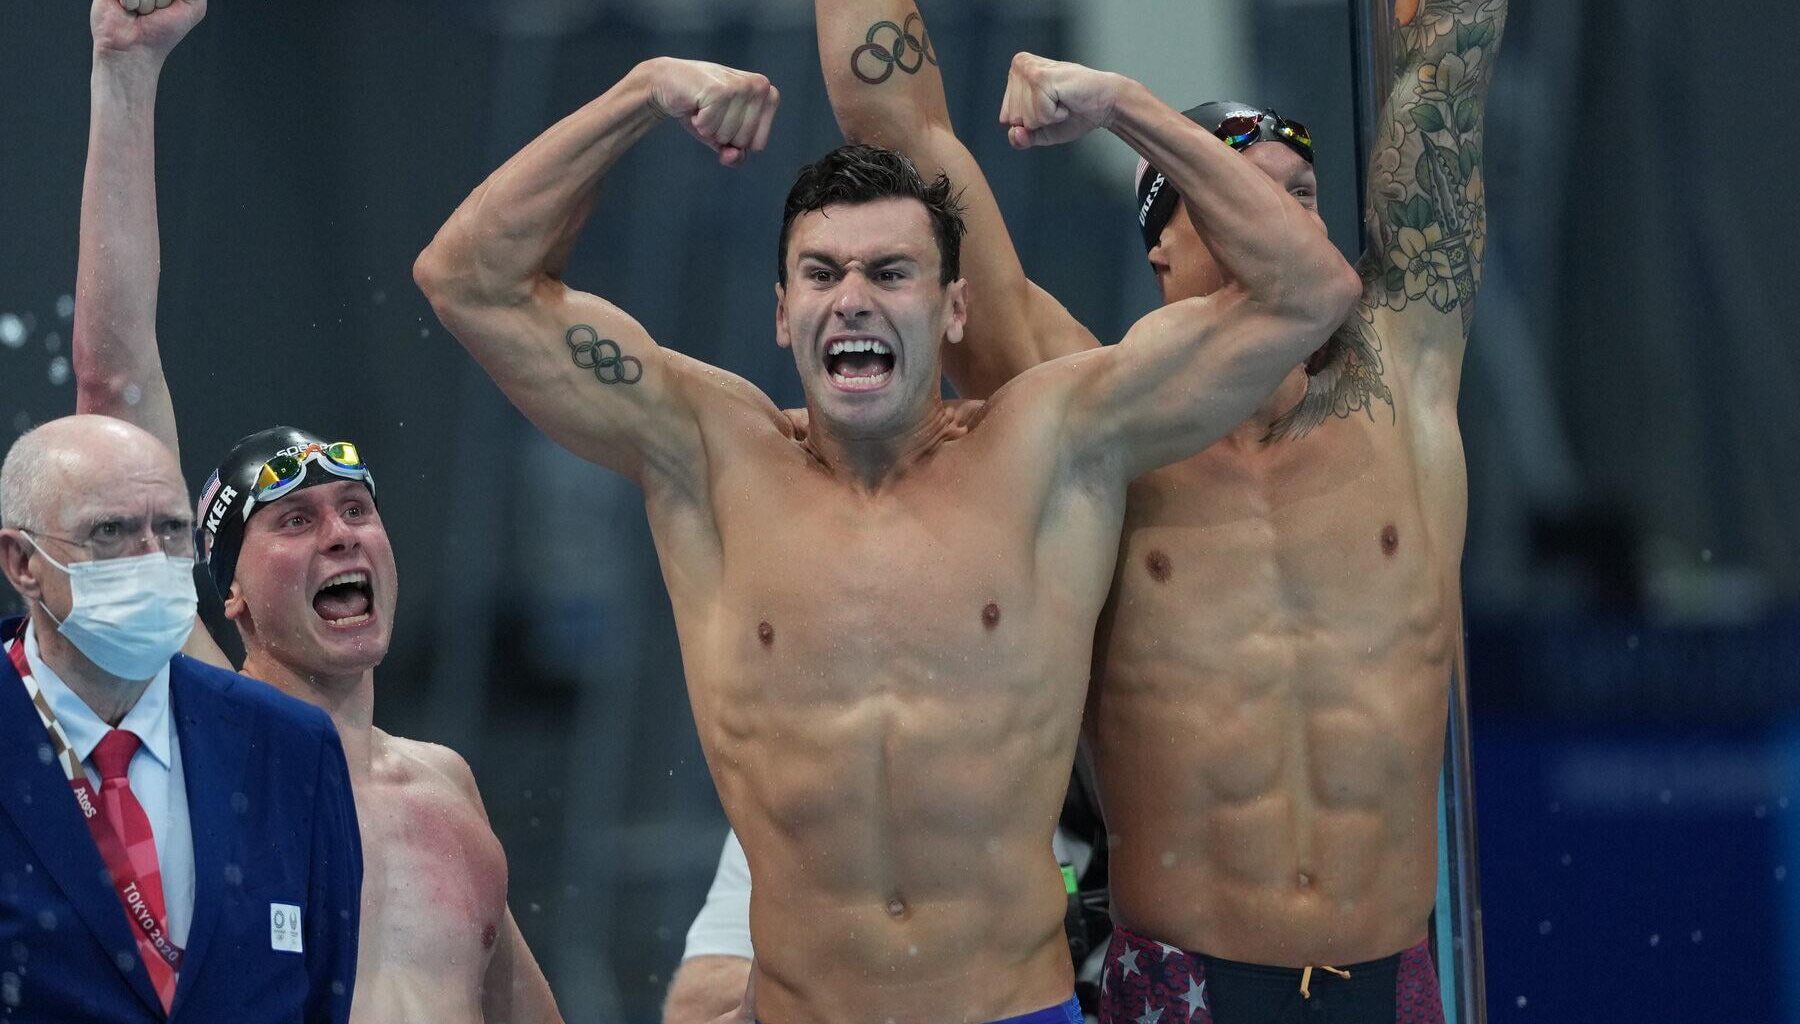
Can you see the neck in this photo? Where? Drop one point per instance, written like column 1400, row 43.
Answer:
column 874, row 461
column 110, row 697
column 348, row 699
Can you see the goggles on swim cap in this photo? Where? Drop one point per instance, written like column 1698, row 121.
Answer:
column 1241, row 131
column 1239, row 126
column 281, row 474
column 265, row 467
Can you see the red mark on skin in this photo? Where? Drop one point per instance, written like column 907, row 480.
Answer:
column 488, row 935
column 765, row 633
column 990, row 615
column 1390, row 540
column 1159, row 565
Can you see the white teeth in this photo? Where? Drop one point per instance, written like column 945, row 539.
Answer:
column 859, row 345
column 346, row 577
column 354, row 620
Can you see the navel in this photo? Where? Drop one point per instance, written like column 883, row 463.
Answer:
column 1390, row 540
column 1159, row 565
column 765, row 633
column 990, row 615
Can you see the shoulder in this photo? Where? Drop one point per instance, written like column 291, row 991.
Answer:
column 436, row 763
column 252, row 696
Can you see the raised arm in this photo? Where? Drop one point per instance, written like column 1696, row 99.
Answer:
column 1426, row 208
column 117, row 370
column 1188, row 372
column 882, row 74
column 579, row 367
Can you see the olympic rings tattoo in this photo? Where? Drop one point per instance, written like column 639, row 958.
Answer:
column 603, row 356
column 886, row 56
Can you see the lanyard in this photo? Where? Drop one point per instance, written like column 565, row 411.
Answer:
column 112, row 851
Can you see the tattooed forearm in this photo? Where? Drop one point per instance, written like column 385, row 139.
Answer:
column 889, row 46
column 1427, row 207
column 610, row 365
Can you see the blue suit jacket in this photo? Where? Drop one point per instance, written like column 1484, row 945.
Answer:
column 273, row 821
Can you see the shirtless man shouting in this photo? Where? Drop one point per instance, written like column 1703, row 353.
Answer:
column 1272, row 673
column 308, row 576
column 883, row 618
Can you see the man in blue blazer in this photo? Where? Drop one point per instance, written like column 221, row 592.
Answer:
column 177, row 842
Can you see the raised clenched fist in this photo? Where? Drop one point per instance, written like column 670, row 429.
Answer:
column 142, row 27
column 729, row 110
column 1051, row 101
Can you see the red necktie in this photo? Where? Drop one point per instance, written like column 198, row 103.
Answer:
column 129, row 822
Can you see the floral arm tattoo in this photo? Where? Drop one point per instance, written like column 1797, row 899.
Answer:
column 1426, row 209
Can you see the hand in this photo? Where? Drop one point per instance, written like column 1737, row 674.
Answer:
column 142, row 27
column 729, row 110
column 1049, row 102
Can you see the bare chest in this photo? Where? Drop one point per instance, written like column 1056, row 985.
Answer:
column 1289, row 559
column 943, row 578
column 434, row 875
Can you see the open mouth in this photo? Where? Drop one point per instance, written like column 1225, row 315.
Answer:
column 859, row 364
column 345, row 599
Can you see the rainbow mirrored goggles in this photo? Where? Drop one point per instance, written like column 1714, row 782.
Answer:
column 1241, row 131
column 281, row 474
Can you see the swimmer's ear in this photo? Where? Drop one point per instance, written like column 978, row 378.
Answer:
column 959, row 310
column 781, row 328
column 1159, row 261
column 235, row 606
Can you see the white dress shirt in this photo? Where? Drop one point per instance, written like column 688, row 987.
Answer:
column 154, row 773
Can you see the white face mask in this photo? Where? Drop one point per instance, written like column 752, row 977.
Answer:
column 128, row 615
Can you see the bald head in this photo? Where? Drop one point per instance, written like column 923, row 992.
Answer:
column 68, row 469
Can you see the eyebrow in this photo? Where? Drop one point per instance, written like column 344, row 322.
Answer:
column 878, row 263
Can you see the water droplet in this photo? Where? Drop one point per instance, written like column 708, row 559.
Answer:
column 1567, row 860
column 1168, row 858
column 240, row 803
column 1695, row 936
column 1543, row 927
column 46, row 919
column 1519, row 1002
column 536, row 908
column 1706, row 554
column 53, row 342
column 46, row 755
column 424, row 332
column 1781, row 872
column 1631, row 642
column 132, row 394
column 337, row 988
column 12, row 330
column 126, row 960
column 9, row 989
column 234, row 874
column 1655, row 939
column 65, row 306
column 59, row 371
column 1665, row 796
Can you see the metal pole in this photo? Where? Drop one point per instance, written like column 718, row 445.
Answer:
column 1457, row 920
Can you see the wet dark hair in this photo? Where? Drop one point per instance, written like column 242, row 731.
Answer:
column 863, row 174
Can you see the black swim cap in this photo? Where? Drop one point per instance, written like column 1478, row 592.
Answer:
column 1156, row 195
column 227, row 500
